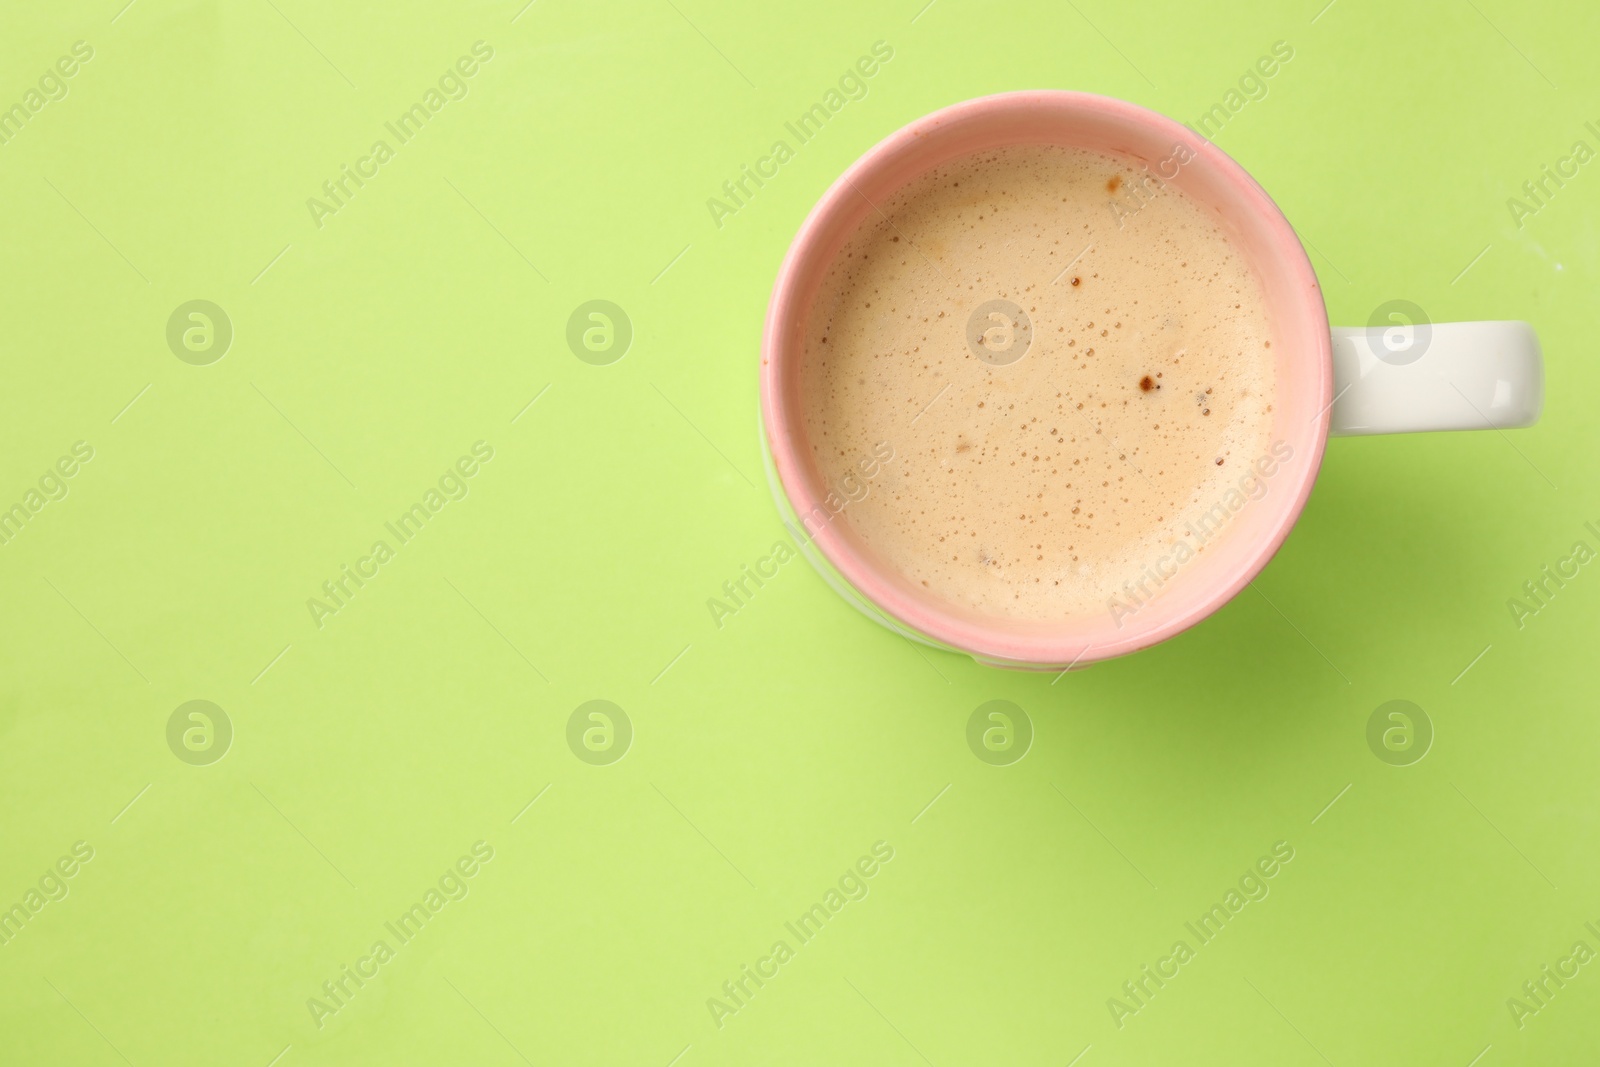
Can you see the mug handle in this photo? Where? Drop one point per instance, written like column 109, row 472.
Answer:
column 1435, row 376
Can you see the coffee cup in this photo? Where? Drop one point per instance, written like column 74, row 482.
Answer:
column 1397, row 374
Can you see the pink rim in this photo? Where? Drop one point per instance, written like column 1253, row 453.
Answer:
column 1086, row 642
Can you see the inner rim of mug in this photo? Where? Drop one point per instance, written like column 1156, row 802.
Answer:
column 1255, row 226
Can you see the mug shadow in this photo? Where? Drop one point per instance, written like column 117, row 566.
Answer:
column 1295, row 662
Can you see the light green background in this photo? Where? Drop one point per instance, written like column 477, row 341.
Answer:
column 769, row 754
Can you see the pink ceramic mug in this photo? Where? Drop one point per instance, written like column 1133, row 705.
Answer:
column 1379, row 379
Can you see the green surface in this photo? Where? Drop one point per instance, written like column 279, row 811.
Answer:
column 372, row 753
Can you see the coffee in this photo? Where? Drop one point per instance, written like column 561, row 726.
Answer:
column 1072, row 363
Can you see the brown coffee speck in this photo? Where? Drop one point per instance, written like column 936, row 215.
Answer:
column 1148, row 383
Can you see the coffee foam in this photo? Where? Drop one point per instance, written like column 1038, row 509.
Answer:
column 1040, row 488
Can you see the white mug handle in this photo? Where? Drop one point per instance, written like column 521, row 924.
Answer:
column 1436, row 376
